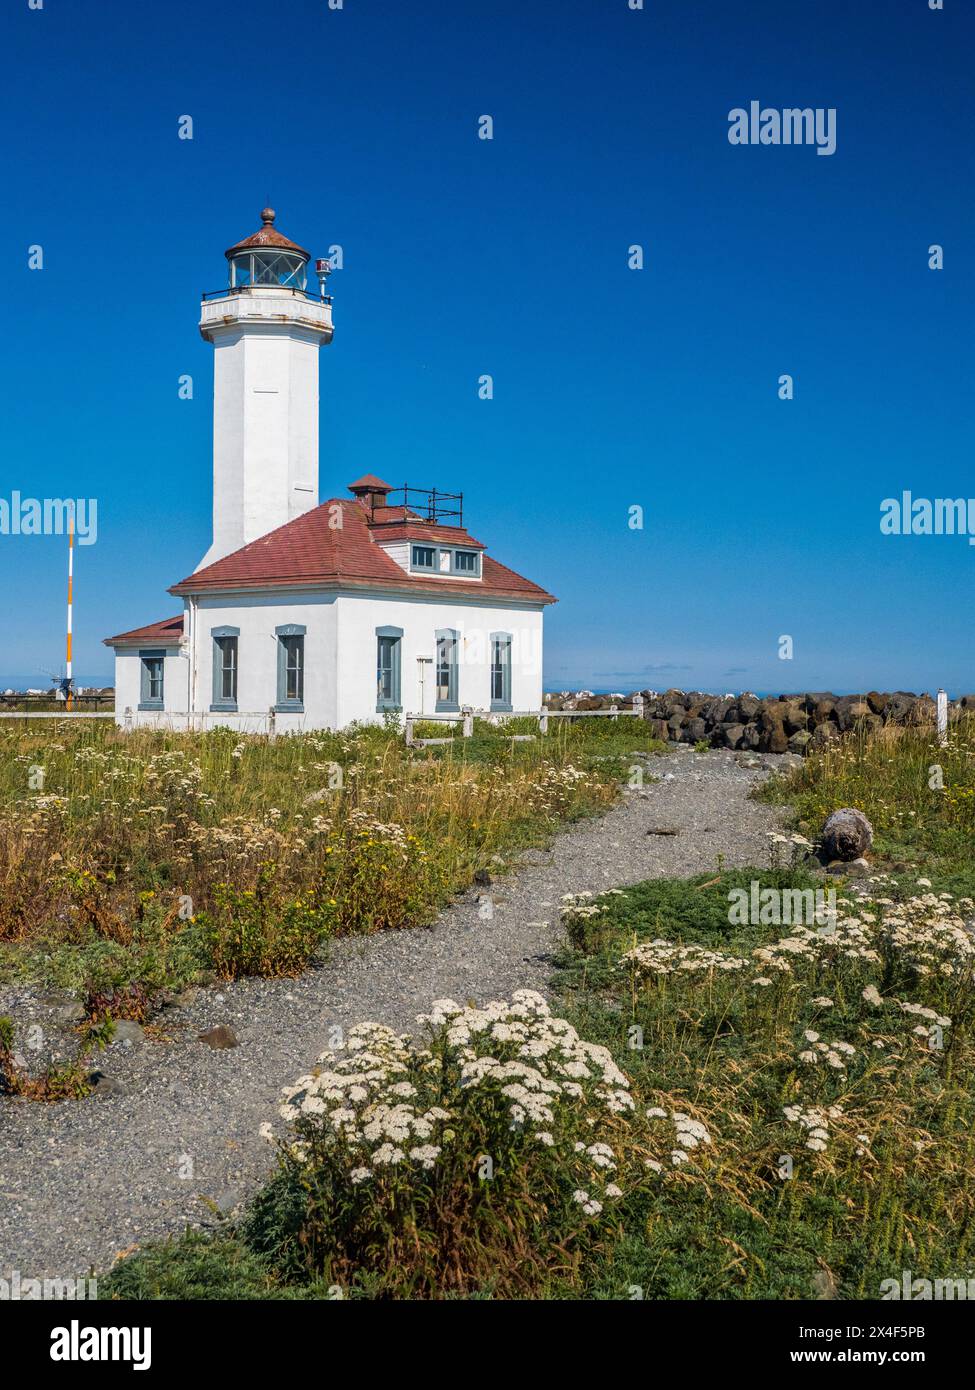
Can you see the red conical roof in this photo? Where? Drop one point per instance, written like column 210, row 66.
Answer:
column 267, row 236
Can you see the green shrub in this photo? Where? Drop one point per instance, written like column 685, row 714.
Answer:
column 489, row 1160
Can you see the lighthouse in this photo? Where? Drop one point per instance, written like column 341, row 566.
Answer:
column 266, row 328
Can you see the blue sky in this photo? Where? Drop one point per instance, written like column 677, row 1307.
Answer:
column 613, row 387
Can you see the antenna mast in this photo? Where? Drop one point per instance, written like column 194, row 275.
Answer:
column 68, row 672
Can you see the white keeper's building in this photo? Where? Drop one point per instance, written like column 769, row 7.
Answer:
column 324, row 613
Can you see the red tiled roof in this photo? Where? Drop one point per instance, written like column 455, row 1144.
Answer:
column 267, row 236
column 308, row 552
column 410, row 527
column 167, row 633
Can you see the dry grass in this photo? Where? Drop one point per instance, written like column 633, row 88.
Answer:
column 241, row 855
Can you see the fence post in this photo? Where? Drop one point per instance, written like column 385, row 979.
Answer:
column 468, row 728
column 942, row 717
column 271, row 722
column 638, row 706
column 543, row 722
column 409, row 730
column 127, row 725
column 613, row 712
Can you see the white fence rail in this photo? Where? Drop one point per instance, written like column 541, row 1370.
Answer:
column 59, row 714
column 466, row 716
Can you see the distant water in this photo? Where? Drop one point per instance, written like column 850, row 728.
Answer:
column 762, row 694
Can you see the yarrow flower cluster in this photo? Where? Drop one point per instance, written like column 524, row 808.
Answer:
column 661, row 957
column 815, row 1121
column 834, row 1053
column 689, row 1134
column 384, row 1102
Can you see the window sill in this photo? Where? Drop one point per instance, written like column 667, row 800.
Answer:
column 155, row 706
column 389, row 709
column 500, row 706
column 447, row 707
column 289, row 707
column 224, row 707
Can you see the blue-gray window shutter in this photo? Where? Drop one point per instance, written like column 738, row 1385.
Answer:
column 288, row 630
column 394, row 636
column 500, row 655
column 220, row 701
column 448, row 666
column 149, row 659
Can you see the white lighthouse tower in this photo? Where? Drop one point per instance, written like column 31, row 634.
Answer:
column 266, row 328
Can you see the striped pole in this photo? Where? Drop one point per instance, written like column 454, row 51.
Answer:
column 70, row 605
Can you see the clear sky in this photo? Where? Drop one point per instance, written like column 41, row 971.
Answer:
column 613, row 387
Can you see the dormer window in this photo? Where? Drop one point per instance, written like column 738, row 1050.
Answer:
column 446, row 560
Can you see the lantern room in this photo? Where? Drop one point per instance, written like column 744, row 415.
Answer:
column 268, row 260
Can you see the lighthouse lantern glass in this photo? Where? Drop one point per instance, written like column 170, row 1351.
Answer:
column 280, row 268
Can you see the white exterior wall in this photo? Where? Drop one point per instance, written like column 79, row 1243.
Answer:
column 340, row 658
column 360, row 615
column 257, row 616
column 265, row 412
column 128, row 685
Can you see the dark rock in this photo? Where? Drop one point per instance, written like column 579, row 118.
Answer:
column 219, row 1038
column 824, row 734
column 850, row 709
column 774, row 739
column 748, row 706
column 800, row 741
column 103, row 1087
column 922, row 711
column 796, row 718
column 697, row 730
column 482, row 877
column 733, row 734
column 897, row 706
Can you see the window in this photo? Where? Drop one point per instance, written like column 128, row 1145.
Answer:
column 389, row 642
column 424, row 557
column 294, row 673
column 466, row 562
column 501, row 670
column 225, row 668
column 151, row 687
column 446, row 670
column 291, row 668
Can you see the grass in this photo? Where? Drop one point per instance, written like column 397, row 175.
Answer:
column 919, row 797
column 133, row 864
column 803, row 1121
column 762, row 1208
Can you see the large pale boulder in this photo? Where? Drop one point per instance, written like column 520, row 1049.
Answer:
column 846, row 835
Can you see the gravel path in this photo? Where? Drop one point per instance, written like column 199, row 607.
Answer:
column 176, row 1136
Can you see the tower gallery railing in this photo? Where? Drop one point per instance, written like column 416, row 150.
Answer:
column 313, row 296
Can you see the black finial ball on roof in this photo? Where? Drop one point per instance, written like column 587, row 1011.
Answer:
column 267, row 216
